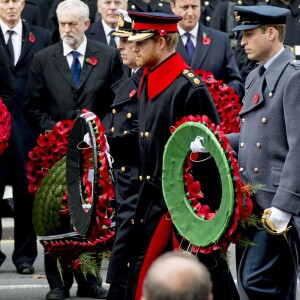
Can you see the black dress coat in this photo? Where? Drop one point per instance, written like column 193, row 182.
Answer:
column 52, row 96
column 159, row 109
column 96, row 32
column 23, row 136
column 217, row 57
column 7, row 91
column 122, row 138
column 22, row 140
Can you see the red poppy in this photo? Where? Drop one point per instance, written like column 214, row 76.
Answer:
column 93, row 61
column 256, row 98
column 132, row 93
column 31, row 37
column 205, row 39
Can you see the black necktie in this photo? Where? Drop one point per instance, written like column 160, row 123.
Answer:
column 112, row 41
column 262, row 70
column 10, row 47
column 76, row 68
column 189, row 46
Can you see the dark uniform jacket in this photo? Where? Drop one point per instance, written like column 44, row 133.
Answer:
column 216, row 57
column 52, row 96
column 161, row 6
column 122, row 124
column 23, row 136
column 7, row 91
column 180, row 93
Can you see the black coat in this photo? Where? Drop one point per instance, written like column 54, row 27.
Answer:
column 31, row 13
column 96, row 32
column 7, row 91
column 124, row 150
column 217, row 57
column 52, row 96
column 23, row 136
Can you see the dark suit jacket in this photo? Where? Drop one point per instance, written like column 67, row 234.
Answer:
column 52, row 96
column 217, row 57
column 96, row 32
column 7, row 91
column 23, row 136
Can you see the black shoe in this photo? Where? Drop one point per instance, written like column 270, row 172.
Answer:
column 94, row 291
column 25, row 269
column 2, row 257
column 57, row 294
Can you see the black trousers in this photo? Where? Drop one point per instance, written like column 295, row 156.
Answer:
column 266, row 270
column 25, row 250
column 55, row 281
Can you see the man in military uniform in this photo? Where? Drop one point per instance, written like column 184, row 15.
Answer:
column 168, row 91
column 268, row 146
column 121, row 124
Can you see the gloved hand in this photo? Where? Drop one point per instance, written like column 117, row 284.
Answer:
column 196, row 146
column 280, row 219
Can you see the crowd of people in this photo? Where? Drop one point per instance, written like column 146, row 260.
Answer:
column 135, row 64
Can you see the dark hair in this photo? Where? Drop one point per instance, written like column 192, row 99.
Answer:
column 171, row 40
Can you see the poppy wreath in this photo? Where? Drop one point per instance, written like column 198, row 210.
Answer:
column 51, row 213
column 51, row 147
column 227, row 102
column 203, row 229
column 5, row 126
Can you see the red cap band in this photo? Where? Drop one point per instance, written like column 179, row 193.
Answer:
column 155, row 26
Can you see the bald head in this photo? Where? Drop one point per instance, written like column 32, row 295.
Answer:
column 177, row 276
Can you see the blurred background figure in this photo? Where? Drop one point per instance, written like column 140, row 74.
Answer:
column 177, row 276
column 204, row 48
column 21, row 40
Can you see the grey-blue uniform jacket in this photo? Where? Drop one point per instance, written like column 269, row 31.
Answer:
column 269, row 141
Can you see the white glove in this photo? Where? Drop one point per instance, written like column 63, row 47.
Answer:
column 109, row 157
column 280, row 219
column 196, row 146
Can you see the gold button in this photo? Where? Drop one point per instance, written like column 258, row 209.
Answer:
column 142, row 221
column 242, row 145
column 147, row 134
column 241, row 169
column 141, row 178
column 123, row 169
column 128, row 265
column 255, row 170
column 160, row 4
column 113, row 111
column 112, row 129
column 264, row 120
column 132, row 221
column 258, row 145
column 243, row 120
column 129, row 115
column 208, row 18
column 125, row 132
column 133, row 6
column 206, row 3
column 240, row 2
column 142, row 134
column 270, row 94
column 148, row 177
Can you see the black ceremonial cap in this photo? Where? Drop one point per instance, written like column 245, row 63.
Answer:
column 249, row 17
column 146, row 25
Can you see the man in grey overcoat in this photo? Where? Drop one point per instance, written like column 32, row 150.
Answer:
column 268, row 153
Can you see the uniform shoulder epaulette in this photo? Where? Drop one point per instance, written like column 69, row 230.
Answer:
column 295, row 63
column 193, row 78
